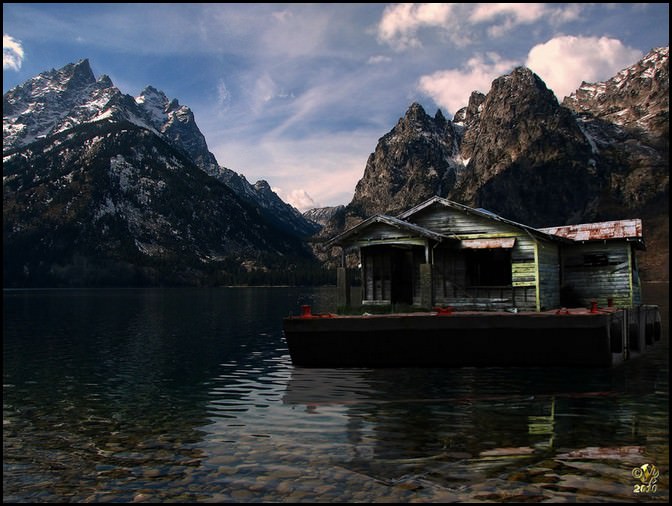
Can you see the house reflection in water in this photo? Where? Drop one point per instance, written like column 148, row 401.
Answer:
column 461, row 425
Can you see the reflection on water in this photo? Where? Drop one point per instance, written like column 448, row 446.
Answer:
column 189, row 395
column 493, row 433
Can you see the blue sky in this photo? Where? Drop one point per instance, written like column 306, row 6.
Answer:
column 299, row 94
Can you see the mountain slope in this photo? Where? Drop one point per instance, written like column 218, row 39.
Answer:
column 111, row 203
column 101, row 188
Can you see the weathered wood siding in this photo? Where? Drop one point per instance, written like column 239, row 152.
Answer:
column 381, row 233
column 600, row 271
column 450, row 276
column 548, row 261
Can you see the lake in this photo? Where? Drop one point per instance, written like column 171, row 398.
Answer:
column 189, row 395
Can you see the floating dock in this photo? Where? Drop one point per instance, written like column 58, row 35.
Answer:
column 594, row 337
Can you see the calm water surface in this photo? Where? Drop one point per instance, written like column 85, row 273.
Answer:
column 189, row 395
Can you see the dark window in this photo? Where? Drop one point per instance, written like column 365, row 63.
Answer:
column 489, row 267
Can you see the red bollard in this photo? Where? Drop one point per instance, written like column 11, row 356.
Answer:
column 593, row 307
column 305, row 312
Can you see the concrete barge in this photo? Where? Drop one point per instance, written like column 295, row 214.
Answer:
column 595, row 337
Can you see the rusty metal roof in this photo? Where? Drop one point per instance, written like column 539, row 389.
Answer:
column 621, row 229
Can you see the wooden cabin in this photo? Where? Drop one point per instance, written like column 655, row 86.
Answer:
column 441, row 253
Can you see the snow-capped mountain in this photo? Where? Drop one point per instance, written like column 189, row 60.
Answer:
column 176, row 123
column 59, row 100
column 636, row 97
column 100, row 187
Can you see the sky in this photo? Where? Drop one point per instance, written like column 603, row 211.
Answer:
column 300, row 94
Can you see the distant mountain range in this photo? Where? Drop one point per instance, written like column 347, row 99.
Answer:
column 602, row 154
column 101, row 188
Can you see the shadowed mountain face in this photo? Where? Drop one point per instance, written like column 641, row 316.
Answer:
column 601, row 155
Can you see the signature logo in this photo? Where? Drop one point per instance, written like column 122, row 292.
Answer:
column 648, row 476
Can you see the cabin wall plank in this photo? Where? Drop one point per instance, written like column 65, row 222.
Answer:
column 548, row 258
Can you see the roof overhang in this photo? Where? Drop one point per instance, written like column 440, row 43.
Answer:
column 396, row 230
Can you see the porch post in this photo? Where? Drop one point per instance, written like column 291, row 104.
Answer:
column 426, row 285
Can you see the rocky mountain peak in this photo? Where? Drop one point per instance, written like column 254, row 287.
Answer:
column 468, row 116
column 416, row 157
column 72, row 76
column 505, row 123
column 80, row 70
column 262, row 186
column 174, row 105
column 150, row 95
column 636, row 99
column 54, row 101
column 521, row 89
column 521, row 134
column 416, row 119
column 155, row 104
column 439, row 118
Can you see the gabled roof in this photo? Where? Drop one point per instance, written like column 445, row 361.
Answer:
column 404, row 226
column 629, row 230
column 479, row 212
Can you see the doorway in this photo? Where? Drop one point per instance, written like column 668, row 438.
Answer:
column 403, row 268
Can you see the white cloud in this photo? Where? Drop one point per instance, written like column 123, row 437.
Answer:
column 506, row 16
column 298, row 198
column 564, row 62
column 518, row 13
column 400, row 22
column 12, row 53
column 566, row 13
column 451, row 89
